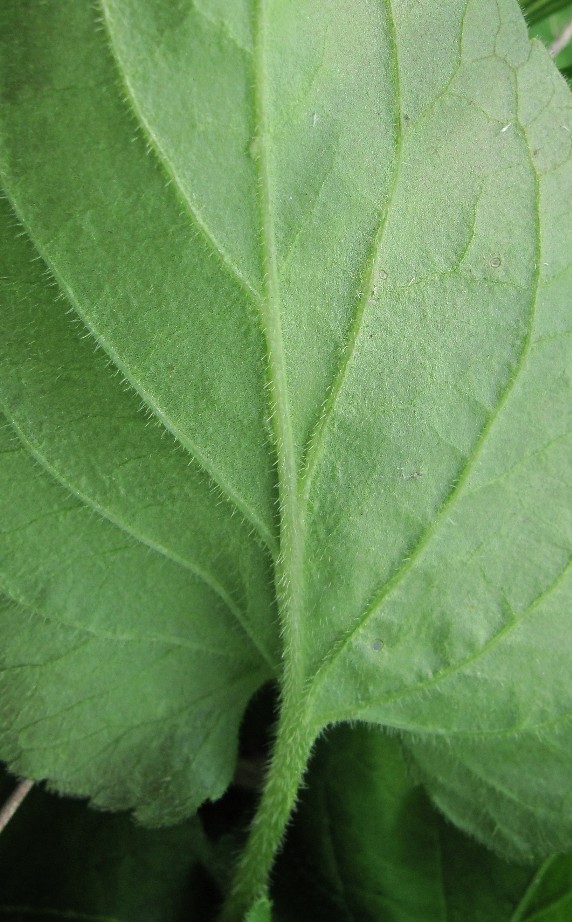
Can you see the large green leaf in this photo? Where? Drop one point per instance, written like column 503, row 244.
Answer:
column 333, row 262
column 537, row 11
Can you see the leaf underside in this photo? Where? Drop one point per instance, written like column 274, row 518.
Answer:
column 286, row 301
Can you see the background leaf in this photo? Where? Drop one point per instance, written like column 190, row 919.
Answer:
column 538, row 10
column 548, row 22
column 367, row 845
column 59, row 859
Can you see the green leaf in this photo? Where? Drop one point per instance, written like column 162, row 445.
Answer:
column 333, row 263
column 551, row 28
column 98, row 442
column 60, row 860
column 538, row 10
column 549, row 896
column 366, row 844
column 92, row 698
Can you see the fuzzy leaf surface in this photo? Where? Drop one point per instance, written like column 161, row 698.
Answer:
column 333, row 262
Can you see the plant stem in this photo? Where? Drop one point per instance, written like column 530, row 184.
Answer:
column 560, row 43
column 295, row 734
column 14, row 801
column 292, row 749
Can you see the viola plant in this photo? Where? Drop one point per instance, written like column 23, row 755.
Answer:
column 286, row 395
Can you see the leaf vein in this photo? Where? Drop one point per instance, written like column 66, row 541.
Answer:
column 289, row 563
column 317, row 437
column 381, row 595
column 166, row 164
column 187, row 564
column 149, row 400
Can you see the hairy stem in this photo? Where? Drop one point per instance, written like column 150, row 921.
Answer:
column 294, row 742
column 294, row 738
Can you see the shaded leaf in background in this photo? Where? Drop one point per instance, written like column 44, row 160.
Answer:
column 60, row 858
column 366, row 845
column 551, row 28
column 538, row 10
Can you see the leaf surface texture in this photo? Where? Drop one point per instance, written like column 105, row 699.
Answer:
column 331, row 264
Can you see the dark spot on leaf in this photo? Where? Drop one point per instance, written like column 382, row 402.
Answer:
column 410, row 475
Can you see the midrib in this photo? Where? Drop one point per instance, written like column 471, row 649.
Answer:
column 289, row 564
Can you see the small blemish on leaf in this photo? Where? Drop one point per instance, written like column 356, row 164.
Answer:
column 496, row 262
column 382, row 276
column 410, row 475
column 377, row 645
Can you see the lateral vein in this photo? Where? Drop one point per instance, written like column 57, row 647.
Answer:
column 316, row 440
column 188, row 444
column 457, row 488
column 167, row 165
column 187, row 564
